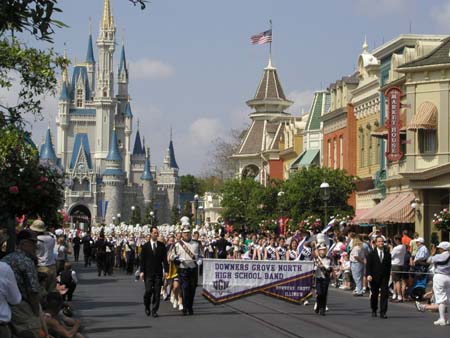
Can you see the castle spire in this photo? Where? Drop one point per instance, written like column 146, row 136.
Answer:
column 171, row 154
column 47, row 150
column 90, row 51
column 123, row 70
column 147, row 174
column 107, row 19
column 114, row 154
column 365, row 46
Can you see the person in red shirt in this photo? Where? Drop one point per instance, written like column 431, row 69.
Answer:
column 406, row 240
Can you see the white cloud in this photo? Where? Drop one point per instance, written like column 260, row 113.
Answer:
column 381, row 7
column 440, row 15
column 302, row 101
column 204, row 130
column 150, row 69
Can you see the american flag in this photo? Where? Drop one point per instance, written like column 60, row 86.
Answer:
column 262, row 38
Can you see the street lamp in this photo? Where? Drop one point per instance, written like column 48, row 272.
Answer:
column 132, row 218
column 152, row 214
column 196, row 197
column 114, row 220
column 325, row 196
column 280, row 222
column 201, row 214
column 118, row 218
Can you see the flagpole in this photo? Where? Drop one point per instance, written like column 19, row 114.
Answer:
column 270, row 43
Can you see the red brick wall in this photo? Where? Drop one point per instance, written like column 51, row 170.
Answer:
column 348, row 135
column 276, row 169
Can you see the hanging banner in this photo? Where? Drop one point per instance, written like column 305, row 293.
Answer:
column 227, row 280
column 393, row 151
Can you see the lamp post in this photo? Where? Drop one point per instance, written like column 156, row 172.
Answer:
column 152, row 214
column 114, row 220
column 281, row 223
column 325, row 196
column 118, row 218
column 196, row 197
column 132, row 220
column 201, row 214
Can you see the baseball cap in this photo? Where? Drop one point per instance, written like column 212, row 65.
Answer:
column 444, row 245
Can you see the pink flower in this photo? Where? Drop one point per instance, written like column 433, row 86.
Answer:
column 43, row 179
column 38, row 187
column 14, row 189
column 445, row 210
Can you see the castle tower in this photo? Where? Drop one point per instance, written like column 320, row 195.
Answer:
column 113, row 180
column 147, row 180
column 168, row 177
column 62, row 119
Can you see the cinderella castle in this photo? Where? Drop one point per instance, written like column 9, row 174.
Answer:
column 107, row 181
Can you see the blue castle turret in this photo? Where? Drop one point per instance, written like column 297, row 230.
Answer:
column 47, row 151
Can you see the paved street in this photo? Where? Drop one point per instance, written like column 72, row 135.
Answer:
column 112, row 307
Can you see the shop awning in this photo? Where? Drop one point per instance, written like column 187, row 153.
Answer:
column 359, row 213
column 306, row 158
column 395, row 208
column 425, row 117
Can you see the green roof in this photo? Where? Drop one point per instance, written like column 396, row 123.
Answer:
column 316, row 112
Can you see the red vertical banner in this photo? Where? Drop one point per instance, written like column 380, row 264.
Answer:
column 393, row 151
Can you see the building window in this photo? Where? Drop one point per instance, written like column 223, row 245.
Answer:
column 334, row 154
column 361, row 149
column 378, row 154
column 427, row 141
column 341, row 152
column 329, row 154
column 79, row 97
column 370, row 152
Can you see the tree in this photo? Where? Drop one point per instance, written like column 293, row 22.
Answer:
column 302, row 193
column 189, row 183
column 220, row 163
column 242, row 203
column 136, row 216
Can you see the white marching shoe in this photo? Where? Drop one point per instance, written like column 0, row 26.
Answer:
column 180, row 307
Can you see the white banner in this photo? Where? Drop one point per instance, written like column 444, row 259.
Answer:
column 225, row 280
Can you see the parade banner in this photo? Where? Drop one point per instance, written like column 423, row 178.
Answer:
column 226, row 280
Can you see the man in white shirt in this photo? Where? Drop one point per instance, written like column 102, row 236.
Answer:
column 45, row 253
column 9, row 294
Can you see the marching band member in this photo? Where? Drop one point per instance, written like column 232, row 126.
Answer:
column 187, row 255
column 323, row 275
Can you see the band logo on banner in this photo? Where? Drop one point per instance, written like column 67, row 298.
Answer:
column 226, row 280
column 393, row 151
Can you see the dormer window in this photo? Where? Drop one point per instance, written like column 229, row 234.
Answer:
column 79, row 102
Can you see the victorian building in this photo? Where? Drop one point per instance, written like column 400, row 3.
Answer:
column 258, row 155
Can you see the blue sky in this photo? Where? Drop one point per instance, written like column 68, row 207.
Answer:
column 193, row 67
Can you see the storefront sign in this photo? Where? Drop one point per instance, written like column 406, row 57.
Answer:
column 226, row 280
column 393, row 151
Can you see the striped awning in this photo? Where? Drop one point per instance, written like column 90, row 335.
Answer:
column 359, row 213
column 395, row 208
column 425, row 117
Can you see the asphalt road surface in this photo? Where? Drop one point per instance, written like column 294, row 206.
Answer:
column 112, row 306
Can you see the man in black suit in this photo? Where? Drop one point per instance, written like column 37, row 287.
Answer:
column 153, row 260
column 378, row 271
column 221, row 246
